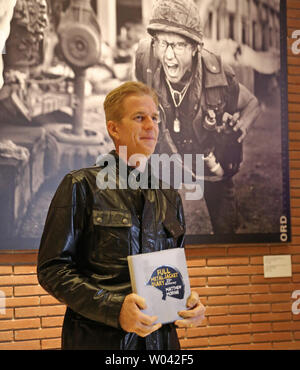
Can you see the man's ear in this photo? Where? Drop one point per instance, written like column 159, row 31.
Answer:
column 112, row 128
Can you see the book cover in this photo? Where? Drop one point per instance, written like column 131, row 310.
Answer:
column 162, row 279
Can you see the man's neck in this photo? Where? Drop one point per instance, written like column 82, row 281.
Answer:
column 137, row 160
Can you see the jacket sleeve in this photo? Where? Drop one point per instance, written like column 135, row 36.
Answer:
column 60, row 254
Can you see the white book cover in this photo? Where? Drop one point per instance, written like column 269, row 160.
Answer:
column 162, row 279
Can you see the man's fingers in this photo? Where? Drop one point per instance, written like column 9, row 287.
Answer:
column 138, row 300
column 190, row 323
column 146, row 319
column 193, row 299
column 133, row 320
column 195, row 315
column 195, row 312
column 145, row 325
column 145, row 330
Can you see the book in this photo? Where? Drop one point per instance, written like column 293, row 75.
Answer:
column 162, row 279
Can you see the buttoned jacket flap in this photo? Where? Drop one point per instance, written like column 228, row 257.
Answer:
column 112, row 218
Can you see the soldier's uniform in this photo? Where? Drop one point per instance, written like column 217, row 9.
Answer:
column 213, row 87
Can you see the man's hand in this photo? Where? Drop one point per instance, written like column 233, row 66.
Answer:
column 133, row 320
column 195, row 315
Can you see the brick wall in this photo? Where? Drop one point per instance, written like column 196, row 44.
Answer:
column 244, row 310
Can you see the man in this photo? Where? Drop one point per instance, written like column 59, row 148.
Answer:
column 90, row 232
column 203, row 107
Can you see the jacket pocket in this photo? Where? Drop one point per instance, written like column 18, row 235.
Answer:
column 112, row 234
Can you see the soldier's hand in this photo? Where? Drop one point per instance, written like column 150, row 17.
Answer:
column 133, row 320
column 236, row 124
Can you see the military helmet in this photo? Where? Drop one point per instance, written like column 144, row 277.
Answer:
column 178, row 16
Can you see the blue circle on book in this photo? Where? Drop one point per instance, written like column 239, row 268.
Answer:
column 169, row 281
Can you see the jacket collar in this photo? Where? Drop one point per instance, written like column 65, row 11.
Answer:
column 130, row 175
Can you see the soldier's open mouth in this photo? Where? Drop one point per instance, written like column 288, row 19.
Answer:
column 172, row 69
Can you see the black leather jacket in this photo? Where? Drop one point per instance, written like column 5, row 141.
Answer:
column 83, row 253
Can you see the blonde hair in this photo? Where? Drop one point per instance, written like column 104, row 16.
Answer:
column 113, row 103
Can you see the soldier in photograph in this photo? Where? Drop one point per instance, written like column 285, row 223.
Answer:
column 203, row 108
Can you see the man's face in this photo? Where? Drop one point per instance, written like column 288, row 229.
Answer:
column 138, row 129
column 175, row 62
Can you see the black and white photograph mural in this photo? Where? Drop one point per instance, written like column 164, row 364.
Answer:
column 219, row 69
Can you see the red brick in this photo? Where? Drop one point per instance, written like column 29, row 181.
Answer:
column 272, row 337
column 54, row 343
column 207, row 271
column 270, row 297
column 242, row 251
column 197, row 281
column 207, row 331
column 228, row 319
column 232, row 280
column 20, row 324
column 48, row 299
column 230, row 339
column 228, row 261
column 23, row 345
column 22, row 301
column 250, row 328
column 281, row 307
column 243, row 289
column 37, row 333
column 40, row 311
column 18, row 258
column 261, row 317
column 228, row 299
column 196, row 262
column 6, row 336
column 189, row 343
column 29, row 290
column 28, row 269
column 216, row 310
column 205, row 291
column 18, row 280
column 297, row 335
column 253, row 347
column 250, row 308
column 199, row 251
column 52, row 321
column 5, row 270
column 283, row 287
column 7, row 315
column 7, row 291
column 285, row 326
column 286, row 345
column 245, row 270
